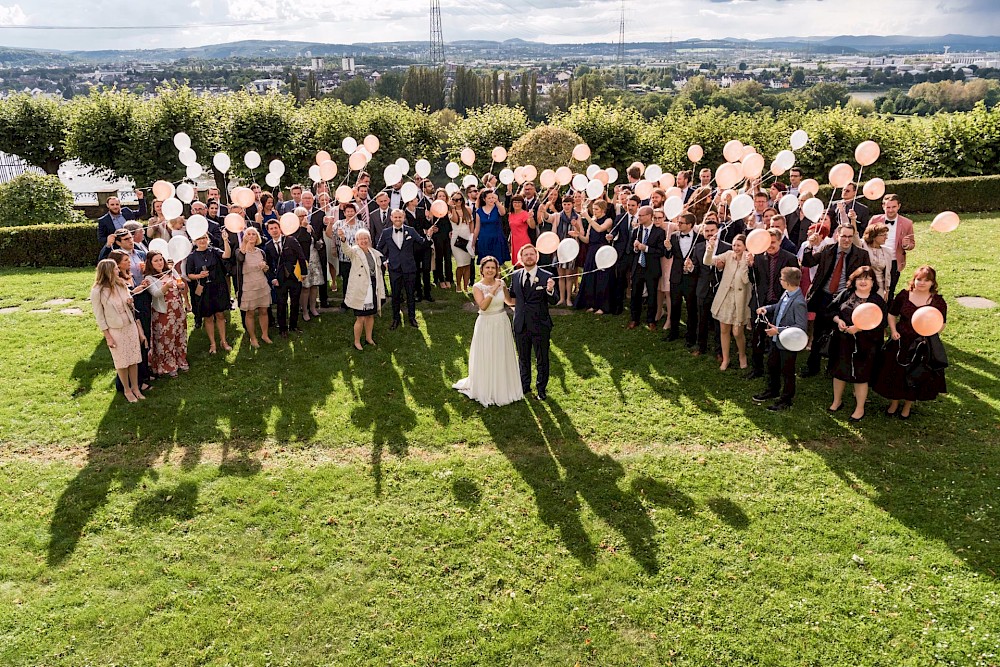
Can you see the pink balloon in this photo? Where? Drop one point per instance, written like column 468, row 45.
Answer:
column 867, row 316
column 874, row 189
column 519, row 175
column 357, row 161
column 667, row 181
column 695, row 153
column 547, row 178
column 243, row 197
column 758, row 241
column 927, row 321
column 163, row 190
column 235, row 223
column 468, row 156
column 644, row 189
column 547, row 243
column 602, row 176
column 328, row 170
column 733, row 150
column 322, row 157
column 674, row 192
column 841, row 174
column 344, row 194
column 372, row 143
column 946, row 221
column 499, row 154
column 776, row 168
column 563, row 176
column 439, row 209
column 728, row 175
column 747, row 150
column 809, row 186
column 867, row 152
column 289, row 223
column 530, row 172
column 581, row 152
column 753, row 165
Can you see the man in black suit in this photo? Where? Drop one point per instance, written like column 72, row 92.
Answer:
column 282, row 254
column 708, row 284
column 765, row 279
column 835, row 265
column 648, row 244
column 417, row 217
column 620, row 237
column 778, row 222
column 398, row 244
column 839, row 212
column 687, row 249
column 532, row 290
column 117, row 216
column 213, row 195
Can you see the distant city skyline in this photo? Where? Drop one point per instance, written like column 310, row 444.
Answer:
column 188, row 23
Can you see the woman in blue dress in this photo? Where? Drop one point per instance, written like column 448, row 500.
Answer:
column 595, row 287
column 487, row 233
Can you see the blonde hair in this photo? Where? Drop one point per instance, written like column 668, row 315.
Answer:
column 251, row 231
column 106, row 275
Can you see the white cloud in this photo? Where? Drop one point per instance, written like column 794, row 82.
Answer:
column 12, row 15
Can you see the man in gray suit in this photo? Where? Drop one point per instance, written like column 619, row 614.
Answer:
column 790, row 311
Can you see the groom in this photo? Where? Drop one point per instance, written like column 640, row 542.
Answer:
column 531, row 291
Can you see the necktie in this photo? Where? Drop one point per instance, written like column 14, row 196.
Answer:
column 642, row 255
column 527, row 278
column 838, row 270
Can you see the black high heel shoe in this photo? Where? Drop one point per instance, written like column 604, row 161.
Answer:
column 836, row 409
column 852, row 418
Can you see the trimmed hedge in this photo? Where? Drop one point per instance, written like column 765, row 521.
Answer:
column 973, row 194
column 72, row 245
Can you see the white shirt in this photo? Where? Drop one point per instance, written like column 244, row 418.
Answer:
column 686, row 242
column 397, row 237
column 890, row 241
column 395, row 199
column 529, row 274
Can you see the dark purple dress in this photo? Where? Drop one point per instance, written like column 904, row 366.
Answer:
column 899, row 355
column 854, row 355
column 595, row 288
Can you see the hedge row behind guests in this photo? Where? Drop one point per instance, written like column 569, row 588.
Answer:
column 168, row 342
column 112, row 303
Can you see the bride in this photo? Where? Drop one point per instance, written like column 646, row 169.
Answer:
column 494, row 378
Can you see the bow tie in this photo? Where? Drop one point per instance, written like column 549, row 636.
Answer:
column 890, row 222
column 685, row 236
column 397, row 231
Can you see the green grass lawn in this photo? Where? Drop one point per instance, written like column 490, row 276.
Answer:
column 308, row 504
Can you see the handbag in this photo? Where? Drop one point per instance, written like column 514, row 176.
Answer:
column 462, row 243
column 937, row 359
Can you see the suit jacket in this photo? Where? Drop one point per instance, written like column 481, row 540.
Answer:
column 826, row 260
column 389, row 191
column 697, row 251
column 730, row 231
column 864, row 215
column 376, row 223
column 621, row 238
column 656, row 250
column 904, row 227
column 106, row 227
column 531, row 309
column 796, row 314
column 709, row 277
column 281, row 267
column 286, row 207
column 763, row 280
column 401, row 260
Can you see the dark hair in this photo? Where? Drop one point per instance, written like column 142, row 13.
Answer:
column 926, row 271
column 688, row 218
column 872, row 232
column 862, row 272
column 567, row 200
column 779, row 186
column 117, row 256
column 517, row 198
column 273, row 221
column 792, row 275
column 351, row 204
column 148, row 270
column 489, row 258
column 758, row 195
column 742, row 238
column 294, row 186
column 634, row 172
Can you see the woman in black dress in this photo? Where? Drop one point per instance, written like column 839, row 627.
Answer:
column 595, row 286
column 855, row 349
column 908, row 351
column 206, row 275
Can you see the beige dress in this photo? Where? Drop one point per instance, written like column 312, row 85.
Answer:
column 732, row 300
column 256, row 291
column 113, row 311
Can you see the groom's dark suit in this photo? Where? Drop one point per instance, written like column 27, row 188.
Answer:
column 532, row 324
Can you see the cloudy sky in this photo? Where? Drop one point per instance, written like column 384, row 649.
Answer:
column 109, row 24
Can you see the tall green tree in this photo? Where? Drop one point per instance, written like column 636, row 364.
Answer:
column 34, row 128
column 391, row 85
column 353, row 92
column 293, row 88
column 533, row 96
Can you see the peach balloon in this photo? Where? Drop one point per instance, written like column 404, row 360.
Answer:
column 641, row 166
column 867, row 152
column 547, row 243
column 564, row 175
column 289, row 223
column 530, row 172
column 357, row 161
column 328, row 170
column 547, row 178
column 758, row 241
column 499, row 154
column 733, row 150
column 468, row 156
column 602, row 176
column 344, row 194
column 243, row 197
column 809, row 186
column 927, row 321
column 674, row 192
column 776, row 168
column 581, row 152
column 643, row 189
column 747, row 150
column 946, row 221
column 874, row 189
column 163, row 190
column 728, row 175
column 667, row 181
column 753, row 165
column 841, row 174
column 867, row 316
column 695, row 153
column 371, row 143
column 322, row 157
column 439, row 209
column 519, row 175
column 235, row 223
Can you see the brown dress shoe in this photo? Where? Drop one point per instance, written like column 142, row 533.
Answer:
column 632, row 325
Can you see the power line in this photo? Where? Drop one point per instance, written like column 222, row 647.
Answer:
column 177, row 26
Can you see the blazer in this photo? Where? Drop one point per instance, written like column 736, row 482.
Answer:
column 733, row 284
column 796, row 314
column 401, row 259
column 677, row 266
column 106, row 226
column 656, row 249
column 762, row 279
column 621, row 234
column 826, row 260
column 286, row 207
column 359, row 280
column 376, row 224
column 904, row 228
column 731, row 230
column 531, row 302
column 864, row 215
column 111, row 307
column 281, row 267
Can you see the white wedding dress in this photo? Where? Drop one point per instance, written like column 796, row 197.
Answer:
column 494, row 378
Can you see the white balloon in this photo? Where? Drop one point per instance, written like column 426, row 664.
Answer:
column 196, row 227
column 252, row 159
column 799, row 139
column 793, row 339
column 392, row 175
column 592, row 169
column 277, row 167
column 452, row 188
column 606, row 257
column 813, row 209
column 506, row 176
column 182, row 141
column 194, row 171
column 612, row 174
column 785, row 160
column 788, row 204
column 409, row 191
column 568, row 250
column 452, row 170
column 653, row 172
column 222, row 162
column 403, row 165
column 741, row 206
column 178, row 249
column 423, row 168
column 272, row 179
column 185, row 193
column 673, row 207
column 172, row 208
column 187, row 157
column 160, row 246
column 470, row 179
column 349, row 144
column 595, row 189
column 580, row 182
column 314, row 174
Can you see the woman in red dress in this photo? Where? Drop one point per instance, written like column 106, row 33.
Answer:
column 520, row 221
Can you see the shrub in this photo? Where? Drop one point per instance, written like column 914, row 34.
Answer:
column 617, row 135
column 35, row 199
column 974, row 194
column 545, row 147
column 71, row 245
column 484, row 129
